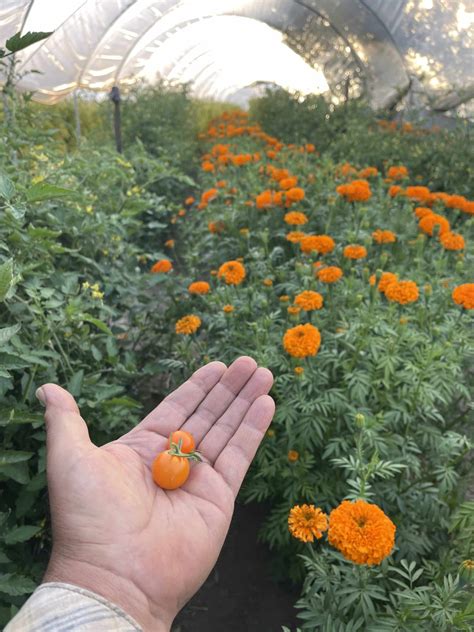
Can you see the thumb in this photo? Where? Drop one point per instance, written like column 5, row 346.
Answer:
column 66, row 430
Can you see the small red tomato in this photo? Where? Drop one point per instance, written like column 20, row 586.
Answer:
column 187, row 440
column 169, row 471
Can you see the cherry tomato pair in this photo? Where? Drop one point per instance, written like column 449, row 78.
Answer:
column 171, row 468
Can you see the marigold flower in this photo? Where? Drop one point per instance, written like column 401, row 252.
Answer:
column 310, row 148
column 188, row 324
column 207, row 165
column 402, row 292
column 394, row 190
column 463, row 295
column 321, row 244
column 208, row 195
column 455, row 201
column 228, row 309
column 384, row 236
column 452, row 241
column 221, row 184
column 216, row 227
column 295, row 218
column 298, row 370
column 419, row 194
column 293, row 310
column 278, row 198
column 385, row 280
column 189, row 200
column 307, row 522
column 169, row 243
column 309, row 300
column 428, row 223
column 294, row 194
column 355, row 191
column 288, row 183
column 354, row 251
column 295, row 236
column 346, row 169
column 331, row 274
column 397, row 172
column 361, row 532
column 369, row 172
column 267, row 282
column 233, row 272
column 163, row 266
column 293, row 455
column 422, row 211
column 284, row 298
column 265, row 199
column 302, row 341
column 244, row 232
column 199, row 287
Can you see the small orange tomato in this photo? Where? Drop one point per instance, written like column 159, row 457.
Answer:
column 186, row 438
column 169, row 471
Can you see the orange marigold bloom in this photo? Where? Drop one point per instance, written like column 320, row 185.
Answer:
column 385, row 280
column 369, row 172
column 199, row 287
column 402, row 292
column 309, row 300
column 267, row 282
column 181, row 212
column 307, row 522
column 310, row 148
column 293, row 455
column 298, row 370
column 397, row 172
column 422, row 211
column 278, row 198
column 294, row 194
column 384, row 236
column 455, row 201
column 468, row 207
column 346, row 169
column 163, row 265
column 428, row 223
column 233, row 272
column 295, row 236
column 221, row 184
column 293, row 310
column 216, row 227
column 208, row 195
column 464, row 295
column 228, row 309
column 354, row 251
column 394, row 190
column 322, row 244
column 207, row 165
column 288, row 183
column 452, row 241
column 188, row 324
column 169, row 243
column 361, row 532
column 284, row 298
column 419, row 194
column 302, row 341
column 331, row 274
column 189, row 200
column 295, row 218
column 264, row 199
column 356, row 191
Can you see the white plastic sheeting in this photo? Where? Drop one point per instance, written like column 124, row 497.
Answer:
column 224, row 46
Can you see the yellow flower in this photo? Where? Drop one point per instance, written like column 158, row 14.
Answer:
column 89, row 210
column 97, row 294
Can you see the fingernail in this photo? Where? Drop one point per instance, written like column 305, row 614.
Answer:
column 41, row 395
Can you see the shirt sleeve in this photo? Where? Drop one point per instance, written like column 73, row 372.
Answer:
column 58, row 607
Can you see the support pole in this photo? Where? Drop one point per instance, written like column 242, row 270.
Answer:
column 77, row 117
column 115, row 98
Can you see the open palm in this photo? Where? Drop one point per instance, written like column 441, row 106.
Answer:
column 118, row 534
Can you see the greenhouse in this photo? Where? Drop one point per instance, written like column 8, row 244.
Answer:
column 236, row 315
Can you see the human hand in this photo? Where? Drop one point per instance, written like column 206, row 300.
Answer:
column 115, row 532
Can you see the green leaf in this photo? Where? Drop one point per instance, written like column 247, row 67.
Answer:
column 7, row 189
column 75, row 383
column 17, row 471
column 20, row 42
column 8, row 332
column 44, row 191
column 7, row 457
column 98, row 323
column 4, row 559
column 16, row 584
column 6, row 278
column 20, row 534
column 10, row 361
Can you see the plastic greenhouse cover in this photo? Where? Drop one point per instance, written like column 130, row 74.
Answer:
column 227, row 48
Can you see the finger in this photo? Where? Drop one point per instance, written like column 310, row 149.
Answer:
column 66, row 430
column 220, row 398
column 223, row 430
column 234, row 460
column 173, row 411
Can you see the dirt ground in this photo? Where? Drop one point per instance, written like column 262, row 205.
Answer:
column 240, row 595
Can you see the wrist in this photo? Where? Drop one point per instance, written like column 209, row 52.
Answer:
column 118, row 590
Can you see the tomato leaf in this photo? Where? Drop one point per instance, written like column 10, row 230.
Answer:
column 20, row 42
